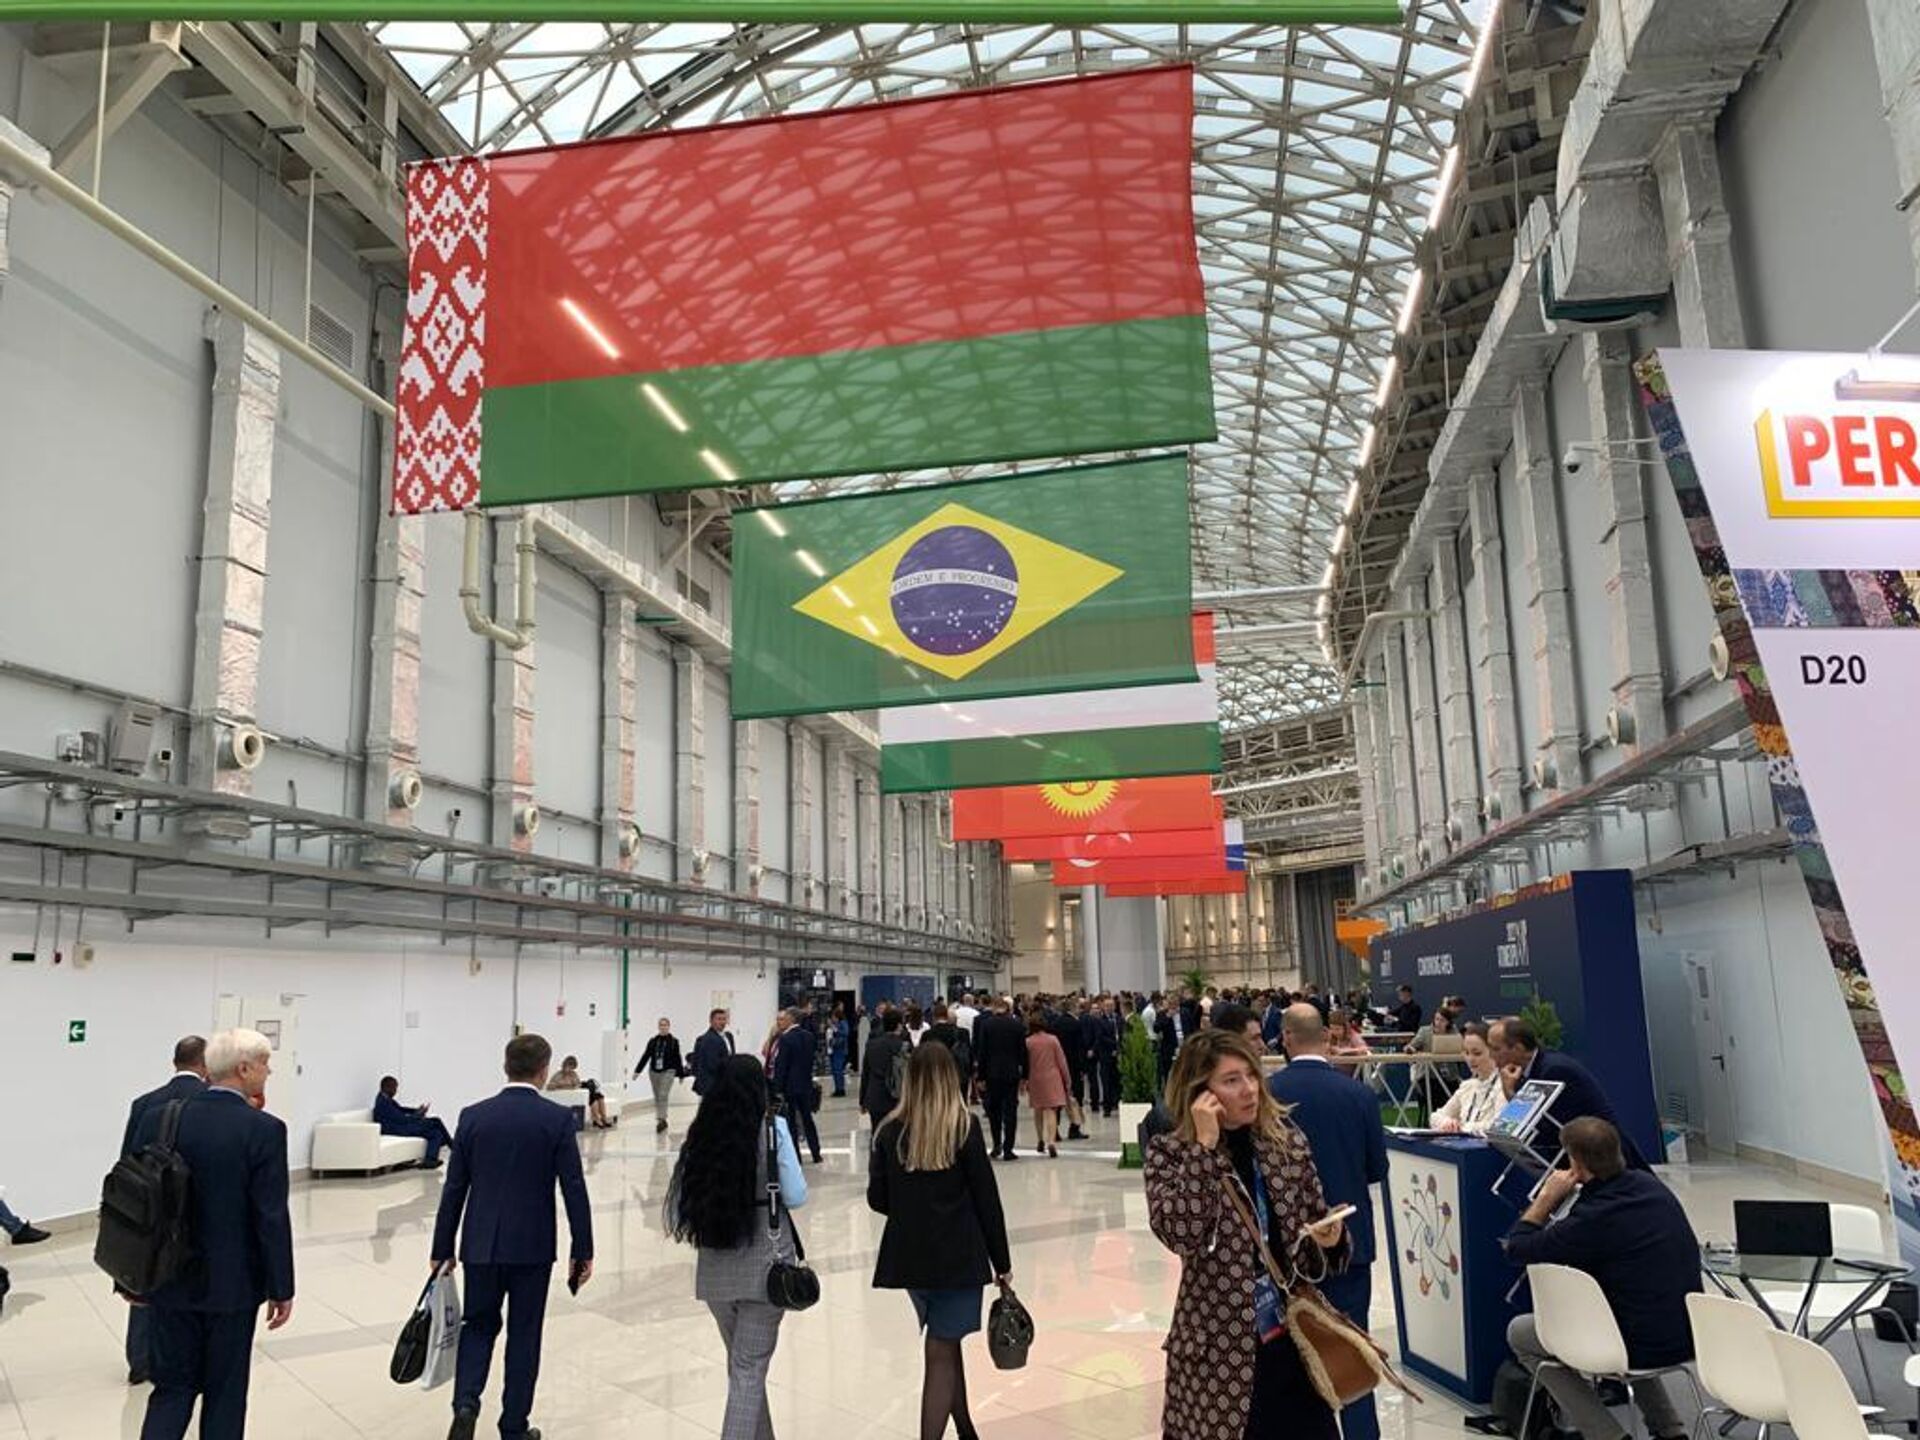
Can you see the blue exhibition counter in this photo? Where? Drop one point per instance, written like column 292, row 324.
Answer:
column 1450, row 1277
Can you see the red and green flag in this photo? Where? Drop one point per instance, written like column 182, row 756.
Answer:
column 1075, row 735
column 1002, row 274
column 1055, row 580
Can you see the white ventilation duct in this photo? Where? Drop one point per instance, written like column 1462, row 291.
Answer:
column 242, row 747
column 1719, row 657
column 1544, row 775
column 629, row 840
column 405, row 790
column 526, row 820
column 1491, row 809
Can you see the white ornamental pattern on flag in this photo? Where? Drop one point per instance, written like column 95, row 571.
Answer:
column 436, row 453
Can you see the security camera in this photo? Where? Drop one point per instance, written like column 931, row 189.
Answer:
column 1575, row 459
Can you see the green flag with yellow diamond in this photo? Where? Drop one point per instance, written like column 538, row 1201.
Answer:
column 1063, row 580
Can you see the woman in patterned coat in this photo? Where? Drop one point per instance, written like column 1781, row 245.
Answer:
column 1224, row 1381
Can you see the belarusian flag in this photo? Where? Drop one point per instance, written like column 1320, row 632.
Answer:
column 1055, row 580
column 1079, row 735
column 1229, row 856
column 992, row 275
column 1082, row 807
column 1112, row 847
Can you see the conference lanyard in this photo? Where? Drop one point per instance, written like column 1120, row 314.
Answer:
column 1269, row 1315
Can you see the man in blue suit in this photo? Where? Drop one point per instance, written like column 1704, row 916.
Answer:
column 711, row 1051
column 1341, row 1120
column 1516, row 1050
column 508, row 1154
column 203, row 1322
column 393, row 1118
column 793, row 1075
column 189, row 1078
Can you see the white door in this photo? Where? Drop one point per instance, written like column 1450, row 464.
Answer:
column 278, row 1018
column 1713, row 1049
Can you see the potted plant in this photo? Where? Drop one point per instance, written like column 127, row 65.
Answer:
column 1545, row 1020
column 1139, row 1078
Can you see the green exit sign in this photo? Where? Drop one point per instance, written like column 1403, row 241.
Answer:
column 854, row 12
column 76, row 1032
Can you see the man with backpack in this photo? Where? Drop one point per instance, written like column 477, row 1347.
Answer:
column 884, row 1070
column 204, row 1317
column 189, row 1078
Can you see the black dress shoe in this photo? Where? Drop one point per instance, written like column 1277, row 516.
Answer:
column 430, row 1164
column 137, row 1377
column 30, row 1234
column 463, row 1423
column 1076, row 1133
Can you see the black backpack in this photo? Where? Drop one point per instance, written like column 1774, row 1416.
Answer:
column 897, row 1071
column 146, row 1214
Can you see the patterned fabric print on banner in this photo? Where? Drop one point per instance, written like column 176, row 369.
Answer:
column 436, row 462
column 1787, row 599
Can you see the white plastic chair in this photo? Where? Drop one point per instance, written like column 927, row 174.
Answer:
column 1820, row 1404
column 1856, row 1231
column 1576, row 1328
column 1732, row 1351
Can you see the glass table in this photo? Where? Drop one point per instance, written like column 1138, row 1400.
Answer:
column 1865, row 1276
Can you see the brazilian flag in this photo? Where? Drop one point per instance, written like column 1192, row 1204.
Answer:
column 1077, row 579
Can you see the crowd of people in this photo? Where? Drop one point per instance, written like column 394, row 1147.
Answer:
column 1258, row 1176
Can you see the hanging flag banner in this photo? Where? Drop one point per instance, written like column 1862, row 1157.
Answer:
column 1054, row 580
column 1799, row 476
column 1229, row 855
column 993, row 275
column 1082, row 807
column 1233, row 884
column 1112, row 847
column 1079, row 735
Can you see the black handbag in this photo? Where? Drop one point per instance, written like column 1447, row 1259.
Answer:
column 1009, row 1330
column 789, row 1286
column 409, row 1361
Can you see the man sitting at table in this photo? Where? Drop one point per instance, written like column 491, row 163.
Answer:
column 1516, row 1049
column 1628, row 1231
column 393, row 1118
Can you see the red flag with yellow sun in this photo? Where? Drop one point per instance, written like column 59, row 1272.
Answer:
column 1086, row 807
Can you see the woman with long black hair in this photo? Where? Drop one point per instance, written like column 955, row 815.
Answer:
column 946, row 1235
column 718, row 1201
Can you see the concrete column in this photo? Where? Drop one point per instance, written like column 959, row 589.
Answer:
column 913, row 853
column 619, row 701
column 838, row 805
column 1384, row 820
column 513, row 685
column 1499, row 718
column 1461, row 765
column 233, row 549
column 393, row 685
column 1363, row 762
column 1431, row 785
column 1551, row 608
column 1896, row 47
column 1406, row 807
column 746, row 806
column 800, row 815
column 1699, row 236
column 867, row 797
column 690, row 764
column 893, row 881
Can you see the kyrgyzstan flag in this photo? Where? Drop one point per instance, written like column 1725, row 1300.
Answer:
column 1001, row 274
column 1085, row 807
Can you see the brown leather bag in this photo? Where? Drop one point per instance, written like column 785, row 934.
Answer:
column 1340, row 1358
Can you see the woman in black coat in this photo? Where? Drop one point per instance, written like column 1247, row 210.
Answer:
column 946, row 1235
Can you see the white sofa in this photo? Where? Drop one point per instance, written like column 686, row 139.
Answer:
column 349, row 1140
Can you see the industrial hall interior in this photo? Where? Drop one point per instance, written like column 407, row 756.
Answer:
column 1008, row 722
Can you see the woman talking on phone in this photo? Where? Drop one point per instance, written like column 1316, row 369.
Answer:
column 1233, row 1371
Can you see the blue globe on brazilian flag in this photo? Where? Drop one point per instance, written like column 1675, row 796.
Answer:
column 1063, row 580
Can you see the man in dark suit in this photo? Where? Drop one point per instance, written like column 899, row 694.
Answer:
column 393, row 1118
column 189, row 1078
column 1341, row 1120
column 1516, row 1050
column 1105, row 1049
column 878, row 1094
column 1064, row 1024
column 793, row 1058
column 1000, row 1055
column 711, row 1051
column 201, row 1337
column 1631, row 1234
column 1178, row 1019
column 1407, row 1013
column 508, row 1154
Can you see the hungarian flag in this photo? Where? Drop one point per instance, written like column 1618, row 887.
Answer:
column 1229, row 855
column 995, row 275
column 1057, row 580
column 1080, row 735
column 1083, row 807
column 1112, row 847
column 1233, row 884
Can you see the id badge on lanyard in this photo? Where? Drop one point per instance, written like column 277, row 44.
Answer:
column 1269, row 1312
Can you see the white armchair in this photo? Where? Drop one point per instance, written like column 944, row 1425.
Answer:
column 348, row 1140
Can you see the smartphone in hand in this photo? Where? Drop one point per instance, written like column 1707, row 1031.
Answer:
column 1339, row 1212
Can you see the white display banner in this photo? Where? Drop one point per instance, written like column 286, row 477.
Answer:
column 1425, row 1196
column 1800, row 479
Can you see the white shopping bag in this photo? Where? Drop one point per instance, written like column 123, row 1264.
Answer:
column 443, row 1342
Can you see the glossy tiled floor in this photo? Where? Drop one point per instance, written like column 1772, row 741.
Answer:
column 634, row 1355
